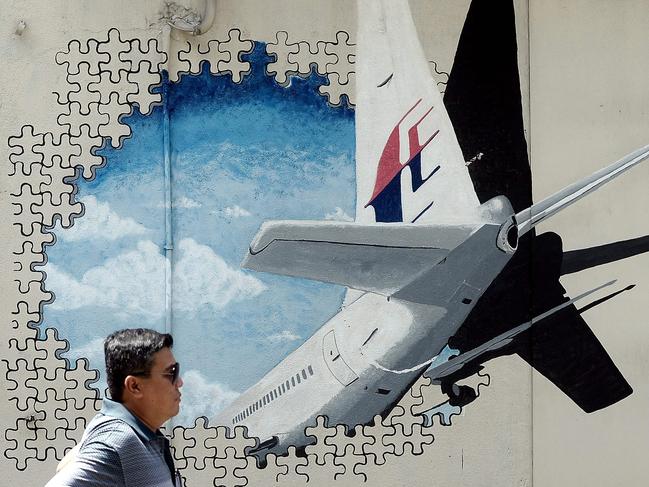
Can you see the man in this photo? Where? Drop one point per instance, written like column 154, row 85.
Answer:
column 123, row 446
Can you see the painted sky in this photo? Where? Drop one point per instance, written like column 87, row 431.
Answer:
column 241, row 154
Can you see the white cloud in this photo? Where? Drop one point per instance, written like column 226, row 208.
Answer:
column 283, row 336
column 202, row 398
column 235, row 212
column 70, row 293
column 339, row 215
column 133, row 283
column 185, row 202
column 182, row 202
column 201, row 277
column 100, row 222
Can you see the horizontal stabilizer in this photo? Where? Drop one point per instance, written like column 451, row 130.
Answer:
column 578, row 260
column 454, row 364
column 532, row 216
column 375, row 257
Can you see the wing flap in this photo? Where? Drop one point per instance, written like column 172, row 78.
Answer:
column 453, row 365
column 379, row 258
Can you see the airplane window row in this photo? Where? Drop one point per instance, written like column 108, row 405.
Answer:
column 283, row 388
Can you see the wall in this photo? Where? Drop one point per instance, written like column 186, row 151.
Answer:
column 585, row 110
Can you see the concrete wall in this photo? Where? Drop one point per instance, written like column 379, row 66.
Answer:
column 584, row 97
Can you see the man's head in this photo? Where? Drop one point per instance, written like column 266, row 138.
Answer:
column 142, row 373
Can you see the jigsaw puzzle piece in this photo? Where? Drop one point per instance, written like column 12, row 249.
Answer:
column 87, row 159
column 281, row 50
column 115, row 130
column 17, row 439
column 236, row 47
column 234, row 474
column 202, row 477
column 377, row 450
column 21, row 393
column 115, row 48
column 105, row 88
column 83, row 94
column 319, row 450
column 145, row 80
column 343, row 53
column 25, row 263
column 23, row 323
column 43, row 445
column 195, row 449
column 25, row 160
column 180, row 442
column 36, row 296
column 45, row 413
column 294, row 466
column 351, row 461
column 53, row 348
column 179, row 63
column 336, row 91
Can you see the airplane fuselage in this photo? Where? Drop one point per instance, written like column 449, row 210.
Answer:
column 364, row 359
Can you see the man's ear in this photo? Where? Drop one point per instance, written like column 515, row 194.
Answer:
column 133, row 386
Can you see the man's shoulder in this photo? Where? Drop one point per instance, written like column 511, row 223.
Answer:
column 111, row 432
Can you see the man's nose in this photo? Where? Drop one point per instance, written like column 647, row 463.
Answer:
column 179, row 382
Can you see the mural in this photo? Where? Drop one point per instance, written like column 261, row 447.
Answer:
column 387, row 236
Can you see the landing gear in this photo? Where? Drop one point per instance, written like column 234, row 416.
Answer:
column 459, row 395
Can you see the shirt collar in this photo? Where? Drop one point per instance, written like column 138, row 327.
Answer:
column 117, row 410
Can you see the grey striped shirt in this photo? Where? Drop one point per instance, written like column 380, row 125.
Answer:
column 118, row 450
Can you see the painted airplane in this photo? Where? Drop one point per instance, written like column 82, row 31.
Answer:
column 423, row 252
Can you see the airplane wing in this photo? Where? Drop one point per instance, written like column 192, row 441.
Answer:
column 567, row 353
column 409, row 165
column 453, row 365
column 535, row 214
column 373, row 257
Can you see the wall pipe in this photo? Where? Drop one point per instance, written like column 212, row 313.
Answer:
column 168, row 207
column 205, row 24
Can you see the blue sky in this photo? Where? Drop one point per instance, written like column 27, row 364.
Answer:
column 241, row 154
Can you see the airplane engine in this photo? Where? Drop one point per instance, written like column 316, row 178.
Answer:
column 459, row 395
column 508, row 237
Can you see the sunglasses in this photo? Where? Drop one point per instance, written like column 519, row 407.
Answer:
column 173, row 373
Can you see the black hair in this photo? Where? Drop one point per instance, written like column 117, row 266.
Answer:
column 129, row 352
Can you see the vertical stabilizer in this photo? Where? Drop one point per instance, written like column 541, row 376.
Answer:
column 409, row 166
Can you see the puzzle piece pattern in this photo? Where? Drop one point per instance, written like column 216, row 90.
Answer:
column 105, row 79
column 52, row 401
column 225, row 56
column 208, row 455
column 334, row 59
